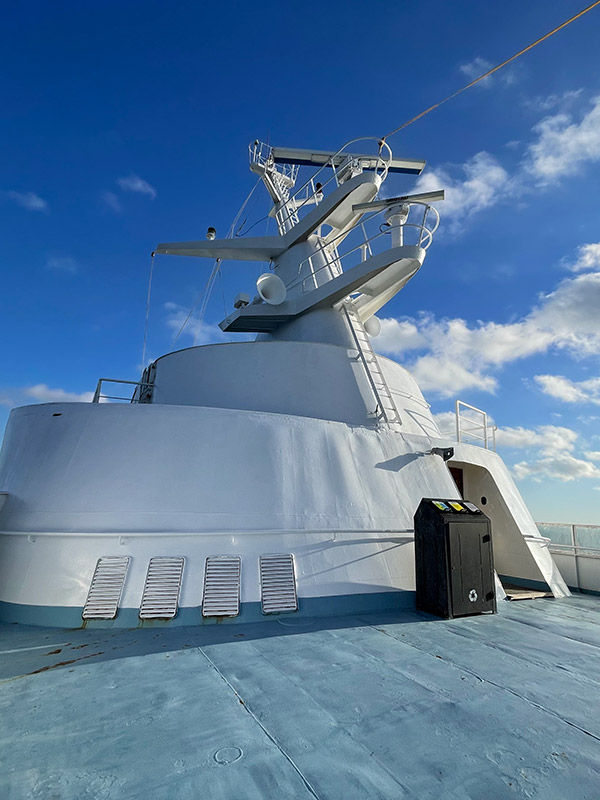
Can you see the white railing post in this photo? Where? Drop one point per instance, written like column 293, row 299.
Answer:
column 457, row 421
column 576, row 554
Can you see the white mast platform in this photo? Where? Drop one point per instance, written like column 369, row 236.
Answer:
column 265, row 477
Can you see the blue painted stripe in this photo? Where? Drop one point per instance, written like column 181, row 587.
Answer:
column 338, row 605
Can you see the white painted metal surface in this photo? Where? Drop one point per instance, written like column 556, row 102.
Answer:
column 385, row 407
column 520, row 551
column 106, row 587
column 278, row 583
column 161, row 588
column 222, row 577
column 253, row 448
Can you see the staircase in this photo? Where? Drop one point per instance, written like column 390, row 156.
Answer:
column 386, row 411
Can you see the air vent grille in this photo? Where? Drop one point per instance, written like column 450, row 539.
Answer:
column 221, row 596
column 106, row 588
column 161, row 589
column 278, row 584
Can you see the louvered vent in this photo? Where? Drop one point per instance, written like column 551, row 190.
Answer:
column 106, row 588
column 222, row 586
column 161, row 589
column 278, row 584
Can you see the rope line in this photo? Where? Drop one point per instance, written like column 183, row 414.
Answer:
column 147, row 310
column 491, row 71
column 207, row 291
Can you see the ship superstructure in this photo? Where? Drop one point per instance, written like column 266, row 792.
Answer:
column 255, row 478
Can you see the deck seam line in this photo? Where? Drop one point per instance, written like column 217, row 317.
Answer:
column 334, row 720
column 271, row 738
column 538, row 627
column 581, row 677
column 497, row 685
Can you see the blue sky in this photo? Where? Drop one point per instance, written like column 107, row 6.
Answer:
column 125, row 124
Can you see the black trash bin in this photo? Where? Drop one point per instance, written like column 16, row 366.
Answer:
column 454, row 559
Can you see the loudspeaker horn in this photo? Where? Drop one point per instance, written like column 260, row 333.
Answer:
column 271, row 288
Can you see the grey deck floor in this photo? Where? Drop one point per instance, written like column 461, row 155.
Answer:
column 379, row 706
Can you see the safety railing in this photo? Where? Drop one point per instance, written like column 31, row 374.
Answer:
column 572, row 538
column 328, row 262
column 312, row 191
column 100, row 397
column 475, row 426
column 262, row 154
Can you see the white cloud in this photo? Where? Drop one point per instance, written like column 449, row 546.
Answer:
column 587, row 257
column 110, row 200
column 551, row 101
column 133, row 183
column 548, row 439
column 456, row 355
column 564, row 146
column 563, row 467
column 398, row 336
column 446, row 422
column 480, row 184
column 28, row 200
column 570, row 391
column 556, row 445
column 44, row 394
column 560, row 147
column 200, row 331
column 479, row 66
column 62, row 264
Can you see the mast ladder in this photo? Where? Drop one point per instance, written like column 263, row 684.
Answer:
column 287, row 216
column 386, row 410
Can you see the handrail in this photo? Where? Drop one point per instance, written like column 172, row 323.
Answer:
column 98, row 393
column 284, row 213
column 482, row 426
column 424, row 239
column 569, row 525
column 543, row 541
column 573, row 549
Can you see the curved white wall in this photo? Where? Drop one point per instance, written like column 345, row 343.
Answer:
column 103, row 467
column 306, row 379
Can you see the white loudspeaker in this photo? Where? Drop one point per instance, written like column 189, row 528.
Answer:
column 271, row 288
column 373, row 327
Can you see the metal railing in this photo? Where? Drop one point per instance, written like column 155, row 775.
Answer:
column 261, row 154
column 566, row 538
column 311, row 191
column 480, row 430
column 99, row 397
column 333, row 263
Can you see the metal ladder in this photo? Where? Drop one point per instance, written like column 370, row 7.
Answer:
column 386, row 411
column 286, row 216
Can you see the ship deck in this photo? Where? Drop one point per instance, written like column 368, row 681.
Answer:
column 372, row 706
